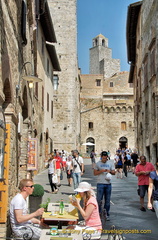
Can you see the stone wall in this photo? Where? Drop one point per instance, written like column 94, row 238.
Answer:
column 106, row 107
column 145, row 81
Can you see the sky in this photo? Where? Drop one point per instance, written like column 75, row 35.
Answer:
column 107, row 17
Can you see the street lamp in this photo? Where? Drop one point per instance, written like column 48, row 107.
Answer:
column 2, row 142
column 29, row 78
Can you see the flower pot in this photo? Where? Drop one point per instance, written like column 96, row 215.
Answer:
column 34, row 203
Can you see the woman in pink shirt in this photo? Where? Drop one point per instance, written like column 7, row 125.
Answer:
column 90, row 211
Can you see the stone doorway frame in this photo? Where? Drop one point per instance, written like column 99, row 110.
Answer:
column 123, row 142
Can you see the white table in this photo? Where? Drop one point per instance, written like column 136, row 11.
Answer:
column 70, row 215
column 55, row 207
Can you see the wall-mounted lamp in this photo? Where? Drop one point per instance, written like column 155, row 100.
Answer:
column 55, row 82
column 29, row 78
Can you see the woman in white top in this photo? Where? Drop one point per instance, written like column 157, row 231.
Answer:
column 69, row 170
column 51, row 171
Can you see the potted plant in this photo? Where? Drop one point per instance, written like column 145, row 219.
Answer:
column 35, row 199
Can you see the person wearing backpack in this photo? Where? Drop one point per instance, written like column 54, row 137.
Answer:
column 92, row 156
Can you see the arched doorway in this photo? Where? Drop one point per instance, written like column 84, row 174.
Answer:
column 123, row 142
column 90, row 148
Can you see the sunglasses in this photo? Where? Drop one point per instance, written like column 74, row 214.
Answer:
column 30, row 186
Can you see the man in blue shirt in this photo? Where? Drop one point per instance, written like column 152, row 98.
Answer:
column 103, row 170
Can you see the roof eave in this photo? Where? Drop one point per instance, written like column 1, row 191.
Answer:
column 132, row 19
column 46, row 23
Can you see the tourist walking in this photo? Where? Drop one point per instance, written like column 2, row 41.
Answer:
column 92, row 156
column 69, row 170
column 77, row 168
column 58, row 166
column 125, row 162
column 142, row 171
column 134, row 158
column 128, row 161
column 119, row 167
column 153, row 190
column 51, row 172
column 103, row 171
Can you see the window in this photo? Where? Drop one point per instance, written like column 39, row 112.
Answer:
column 123, row 126
column 98, row 82
column 111, row 84
column 146, row 72
column 42, row 96
column 51, row 109
column 23, row 22
column 90, row 125
column 42, row 46
column 47, row 65
column 103, row 42
column 48, row 102
column 36, row 89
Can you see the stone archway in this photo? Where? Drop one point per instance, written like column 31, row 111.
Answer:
column 123, row 142
column 90, row 148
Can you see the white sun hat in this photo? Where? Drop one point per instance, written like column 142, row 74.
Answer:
column 84, row 187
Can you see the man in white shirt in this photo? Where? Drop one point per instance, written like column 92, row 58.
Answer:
column 19, row 213
column 77, row 168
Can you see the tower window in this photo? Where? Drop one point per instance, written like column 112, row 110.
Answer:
column 90, row 125
column 111, row 84
column 98, row 82
column 103, row 42
column 123, row 126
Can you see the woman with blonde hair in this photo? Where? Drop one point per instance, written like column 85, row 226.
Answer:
column 89, row 212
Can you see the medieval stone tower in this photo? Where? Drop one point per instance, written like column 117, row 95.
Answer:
column 106, row 102
column 66, row 125
column 101, row 61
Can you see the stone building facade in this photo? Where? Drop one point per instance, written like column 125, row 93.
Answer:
column 25, row 28
column 106, row 106
column 66, row 122
column 142, row 45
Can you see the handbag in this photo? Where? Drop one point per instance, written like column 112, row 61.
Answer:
column 54, row 178
column 79, row 165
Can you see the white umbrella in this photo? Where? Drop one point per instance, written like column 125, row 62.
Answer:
column 88, row 144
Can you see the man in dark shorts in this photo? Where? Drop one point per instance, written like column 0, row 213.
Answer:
column 134, row 158
column 142, row 172
column 92, row 156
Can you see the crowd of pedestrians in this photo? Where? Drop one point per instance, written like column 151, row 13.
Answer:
column 72, row 164
column 125, row 161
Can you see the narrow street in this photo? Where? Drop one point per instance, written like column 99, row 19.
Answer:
column 124, row 213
